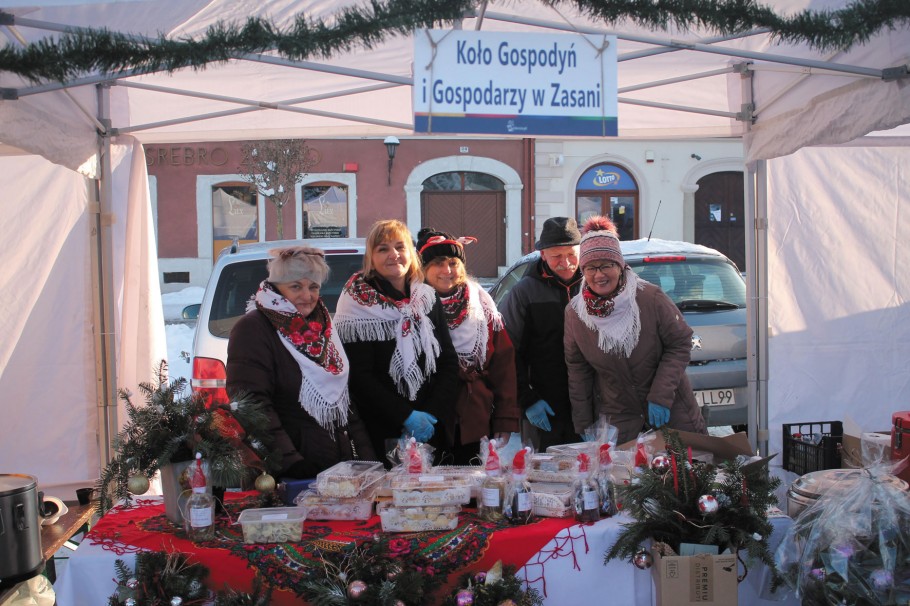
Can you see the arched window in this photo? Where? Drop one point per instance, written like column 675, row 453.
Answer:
column 609, row 190
column 234, row 214
column 462, row 181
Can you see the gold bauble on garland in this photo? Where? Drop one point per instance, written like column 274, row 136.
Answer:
column 138, row 484
column 265, row 483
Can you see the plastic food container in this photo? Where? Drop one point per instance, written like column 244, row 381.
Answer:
column 272, row 525
column 473, row 475
column 589, row 448
column 431, row 489
column 417, row 519
column 348, row 478
column 551, row 500
column 319, row 507
column 807, row 489
column 548, row 467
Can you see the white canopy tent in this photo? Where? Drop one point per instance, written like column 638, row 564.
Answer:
column 778, row 97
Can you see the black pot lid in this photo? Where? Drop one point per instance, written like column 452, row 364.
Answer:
column 12, row 483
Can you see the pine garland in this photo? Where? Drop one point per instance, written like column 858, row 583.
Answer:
column 171, row 427
column 667, row 511
column 160, row 577
column 100, row 50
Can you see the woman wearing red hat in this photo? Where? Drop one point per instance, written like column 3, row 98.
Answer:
column 627, row 345
column 487, row 403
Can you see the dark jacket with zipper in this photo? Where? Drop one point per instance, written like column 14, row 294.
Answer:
column 259, row 364
column 376, row 395
column 534, row 315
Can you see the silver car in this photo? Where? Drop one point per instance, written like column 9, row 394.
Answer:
column 235, row 278
column 711, row 293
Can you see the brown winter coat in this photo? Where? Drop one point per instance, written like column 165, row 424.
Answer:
column 260, row 365
column 620, row 388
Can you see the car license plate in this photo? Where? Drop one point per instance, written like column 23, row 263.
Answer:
column 714, row 397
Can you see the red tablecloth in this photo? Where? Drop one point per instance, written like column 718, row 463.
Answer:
column 474, row 545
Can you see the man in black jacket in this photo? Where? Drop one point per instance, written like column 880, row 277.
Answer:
column 533, row 312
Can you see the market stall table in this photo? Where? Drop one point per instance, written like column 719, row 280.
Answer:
column 562, row 559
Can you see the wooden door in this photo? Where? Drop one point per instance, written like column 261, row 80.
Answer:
column 719, row 220
column 471, row 213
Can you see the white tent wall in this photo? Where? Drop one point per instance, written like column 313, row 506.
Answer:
column 839, row 285
column 47, row 361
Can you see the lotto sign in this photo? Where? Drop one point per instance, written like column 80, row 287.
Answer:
column 500, row 83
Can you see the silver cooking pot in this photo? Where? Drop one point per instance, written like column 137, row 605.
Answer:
column 21, row 512
column 807, row 489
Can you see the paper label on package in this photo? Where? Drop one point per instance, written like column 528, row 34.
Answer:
column 200, row 517
column 491, row 497
column 524, row 501
column 590, row 500
column 270, row 517
column 431, row 478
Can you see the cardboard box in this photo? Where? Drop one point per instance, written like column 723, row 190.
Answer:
column 852, row 446
column 695, row 580
column 710, row 449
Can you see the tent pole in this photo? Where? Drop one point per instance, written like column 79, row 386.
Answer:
column 761, row 309
column 102, row 257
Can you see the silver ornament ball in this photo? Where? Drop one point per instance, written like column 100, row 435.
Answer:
column 357, row 590
column 176, row 600
column 132, row 583
column 643, row 560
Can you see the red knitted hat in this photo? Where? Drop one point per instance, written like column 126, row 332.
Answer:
column 600, row 242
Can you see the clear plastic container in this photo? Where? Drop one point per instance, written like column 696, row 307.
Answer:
column 319, row 507
column 574, row 449
column 473, row 474
column 431, row 489
column 272, row 525
column 348, row 478
column 549, row 467
column 417, row 519
column 552, row 500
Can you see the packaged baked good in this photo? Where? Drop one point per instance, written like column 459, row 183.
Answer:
column 417, row 519
column 549, row 467
column 430, row 489
column 472, row 474
column 552, row 500
column 272, row 525
column 320, row 507
column 348, row 478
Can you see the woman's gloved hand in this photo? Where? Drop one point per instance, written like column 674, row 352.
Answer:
column 537, row 414
column 420, row 425
column 658, row 415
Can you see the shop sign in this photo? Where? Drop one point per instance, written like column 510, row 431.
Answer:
column 506, row 83
column 176, row 155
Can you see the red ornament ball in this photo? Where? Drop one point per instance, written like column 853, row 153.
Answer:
column 661, row 464
column 707, row 503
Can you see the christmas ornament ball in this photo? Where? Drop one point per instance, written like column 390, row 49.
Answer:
column 357, row 590
column 129, row 602
column 882, row 579
column 480, row 578
column 464, row 597
column 132, row 582
column 707, row 503
column 137, row 484
column 818, row 574
column 265, row 483
column 176, row 600
column 660, row 464
column 643, row 560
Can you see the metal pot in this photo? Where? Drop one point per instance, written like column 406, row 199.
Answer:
column 21, row 556
column 808, row 488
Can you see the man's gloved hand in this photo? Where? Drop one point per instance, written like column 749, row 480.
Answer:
column 537, row 414
column 658, row 415
column 420, row 425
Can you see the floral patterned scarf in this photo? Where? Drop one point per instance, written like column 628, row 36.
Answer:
column 615, row 318
column 470, row 311
column 365, row 314
column 316, row 349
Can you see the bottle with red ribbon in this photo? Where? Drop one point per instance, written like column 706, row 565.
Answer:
column 492, row 491
column 199, row 521
column 518, row 502
column 604, row 479
column 586, row 495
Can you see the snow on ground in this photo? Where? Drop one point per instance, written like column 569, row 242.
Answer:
column 179, row 332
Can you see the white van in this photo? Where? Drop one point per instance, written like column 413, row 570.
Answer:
column 235, row 278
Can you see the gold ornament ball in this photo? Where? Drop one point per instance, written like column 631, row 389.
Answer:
column 137, row 484
column 265, row 483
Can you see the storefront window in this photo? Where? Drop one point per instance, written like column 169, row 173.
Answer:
column 325, row 210
column 235, row 214
column 609, row 190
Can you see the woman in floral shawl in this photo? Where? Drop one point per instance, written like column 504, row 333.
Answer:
column 487, row 399
column 627, row 345
column 404, row 370
column 285, row 352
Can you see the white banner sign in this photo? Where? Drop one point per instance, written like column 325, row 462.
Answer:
column 514, row 83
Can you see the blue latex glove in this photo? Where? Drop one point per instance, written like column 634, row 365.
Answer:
column 658, row 415
column 537, row 414
column 420, row 425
